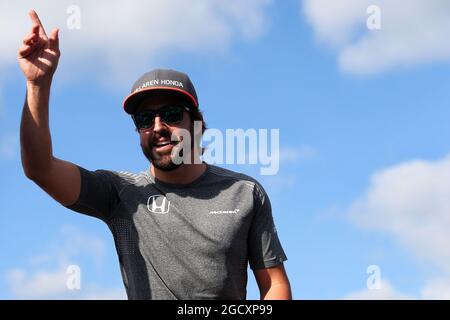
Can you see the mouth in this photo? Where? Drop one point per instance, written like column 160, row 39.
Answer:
column 164, row 146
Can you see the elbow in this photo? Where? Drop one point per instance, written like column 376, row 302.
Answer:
column 34, row 173
column 36, row 169
column 28, row 171
column 31, row 174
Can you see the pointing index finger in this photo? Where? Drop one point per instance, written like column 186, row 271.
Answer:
column 36, row 21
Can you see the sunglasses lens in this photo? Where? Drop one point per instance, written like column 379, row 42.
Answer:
column 172, row 114
column 145, row 120
column 168, row 114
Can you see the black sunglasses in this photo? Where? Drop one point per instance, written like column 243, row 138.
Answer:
column 170, row 114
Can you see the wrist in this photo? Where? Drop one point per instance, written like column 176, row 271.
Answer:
column 41, row 84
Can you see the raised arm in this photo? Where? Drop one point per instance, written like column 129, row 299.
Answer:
column 38, row 58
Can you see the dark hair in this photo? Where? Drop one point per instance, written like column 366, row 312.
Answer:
column 197, row 115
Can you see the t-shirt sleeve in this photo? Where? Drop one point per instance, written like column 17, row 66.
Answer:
column 99, row 194
column 265, row 250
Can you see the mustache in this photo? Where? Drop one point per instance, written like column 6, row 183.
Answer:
column 161, row 134
column 165, row 134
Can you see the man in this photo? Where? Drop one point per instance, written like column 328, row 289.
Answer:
column 182, row 230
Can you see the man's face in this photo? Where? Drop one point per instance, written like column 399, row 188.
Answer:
column 156, row 141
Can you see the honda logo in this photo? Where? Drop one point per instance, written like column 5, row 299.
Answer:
column 158, row 204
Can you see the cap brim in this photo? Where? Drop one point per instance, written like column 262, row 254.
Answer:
column 132, row 101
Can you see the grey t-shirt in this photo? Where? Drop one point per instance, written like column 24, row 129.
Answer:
column 184, row 241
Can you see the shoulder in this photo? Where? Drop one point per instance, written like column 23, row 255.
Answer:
column 132, row 178
column 229, row 174
column 122, row 179
column 237, row 177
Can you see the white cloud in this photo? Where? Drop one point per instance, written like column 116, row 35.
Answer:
column 411, row 203
column 102, row 294
column 386, row 292
column 51, row 284
column 412, row 32
column 437, row 289
column 47, row 274
column 37, row 285
column 78, row 242
column 122, row 35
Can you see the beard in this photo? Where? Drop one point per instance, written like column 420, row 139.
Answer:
column 162, row 162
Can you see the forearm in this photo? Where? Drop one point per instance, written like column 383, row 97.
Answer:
column 35, row 139
column 281, row 291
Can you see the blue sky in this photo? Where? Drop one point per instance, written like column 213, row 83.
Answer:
column 363, row 116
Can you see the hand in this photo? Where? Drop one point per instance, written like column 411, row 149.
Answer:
column 39, row 55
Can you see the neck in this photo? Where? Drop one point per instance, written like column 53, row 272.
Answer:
column 184, row 174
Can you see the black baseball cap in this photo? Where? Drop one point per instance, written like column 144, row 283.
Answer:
column 158, row 81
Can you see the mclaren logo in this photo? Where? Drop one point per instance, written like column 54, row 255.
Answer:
column 158, row 204
column 235, row 211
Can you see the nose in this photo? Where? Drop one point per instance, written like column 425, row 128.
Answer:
column 159, row 125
